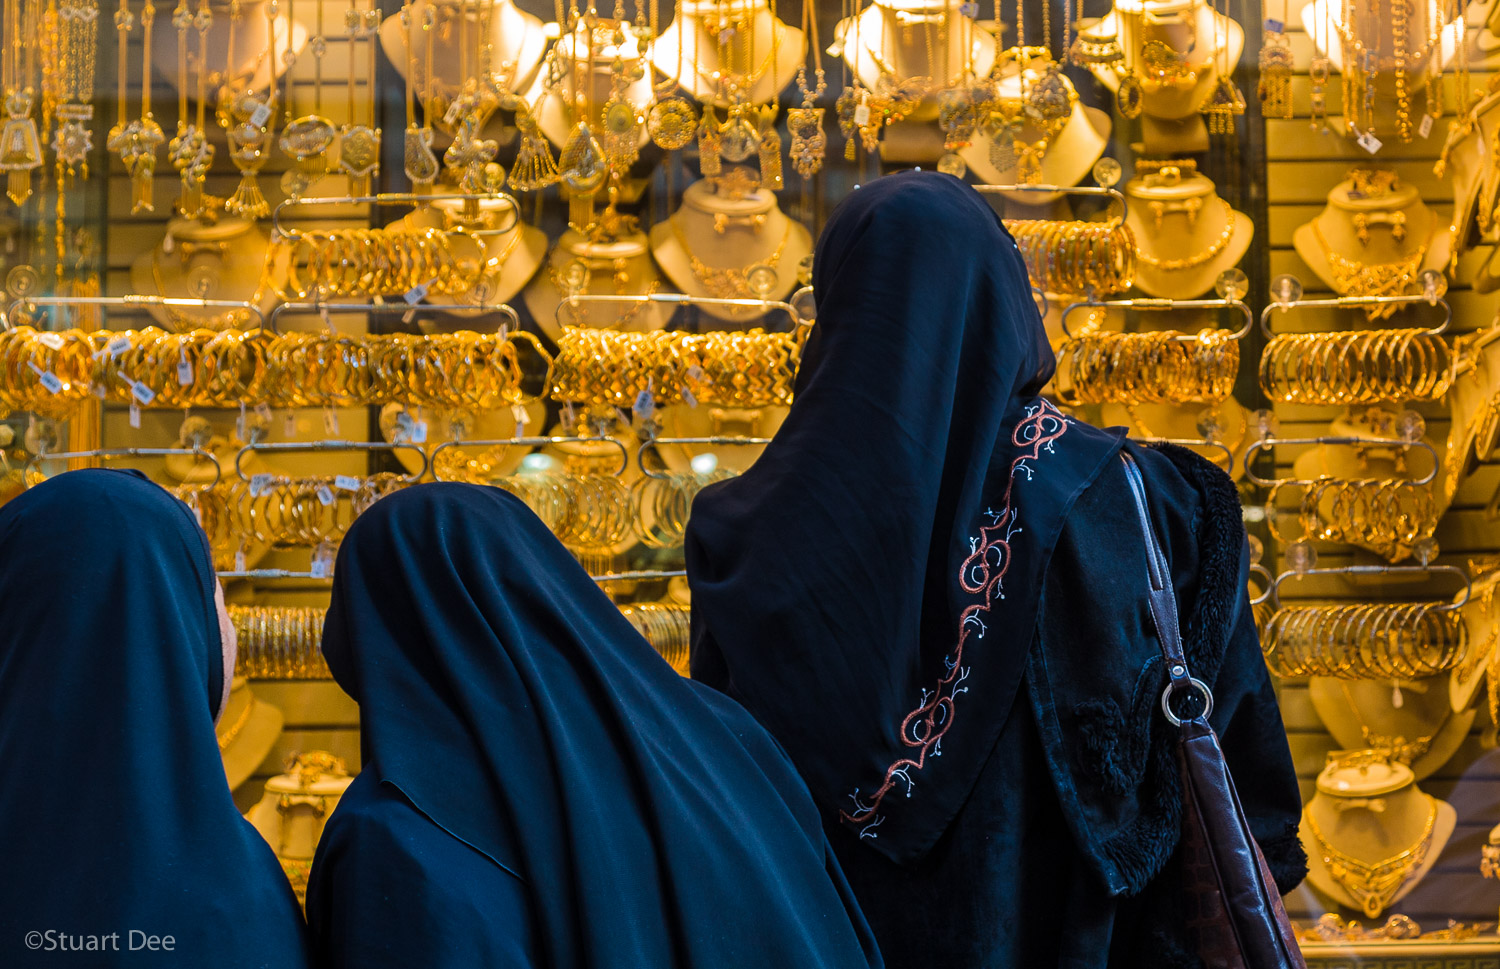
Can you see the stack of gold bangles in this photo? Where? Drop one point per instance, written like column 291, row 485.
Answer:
column 584, row 511
column 284, row 512
column 1381, row 640
column 661, row 505
column 1364, row 367
column 207, row 368
column 1105, row 367
column 750, row 368
column 665, row 626
column 1389, row 516
column 1073, row 258
column 46, row 373
column 377, row 262
column 279, row 643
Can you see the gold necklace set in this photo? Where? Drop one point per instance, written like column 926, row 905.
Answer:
column 728, row 282
column 1373, row 885
column 1190, row 262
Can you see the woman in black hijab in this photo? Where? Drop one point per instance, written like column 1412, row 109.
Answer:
column 539, row 787
column 121, row 843
column 931, row 589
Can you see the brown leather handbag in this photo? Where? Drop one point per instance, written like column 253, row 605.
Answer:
column 1232, row 906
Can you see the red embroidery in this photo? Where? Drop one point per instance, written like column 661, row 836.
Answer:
column 981, row 575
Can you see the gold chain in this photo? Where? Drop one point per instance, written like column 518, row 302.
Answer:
column 1188, row 262
column 729, row 283
column 1373, row 884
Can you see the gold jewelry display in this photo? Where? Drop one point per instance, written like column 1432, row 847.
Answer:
column 137, row 141
column 1107, row 367
column 78, row 33
column 665, row 626
column 1390, row 516
column 280, row 642
column 1374, row 884
column 359, row 140
column 1276, row 64
column 247, row 119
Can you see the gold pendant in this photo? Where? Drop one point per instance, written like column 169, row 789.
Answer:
column 192, row 156
column 809, row 143
column 20, row 147
column 770, row 158
column 359, row 156
column 421, row 164
column 671, row 123
column 709, row 162
column 534, row 168
column 1275, row 88
column 1223, row 107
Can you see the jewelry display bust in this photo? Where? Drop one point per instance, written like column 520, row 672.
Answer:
column 206, row 260
column 251, row 57
column 1371, row 835
column 512, row 257
column 615, row 266
column 1423, row 731
column 1186, row 235
column 575, row 80
column 519, row 39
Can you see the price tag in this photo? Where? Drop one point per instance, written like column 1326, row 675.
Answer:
column 135, row 415
column 522, row 418
column 48, row 378
column 239, row 559
column 688, row 398
column 289, row 425
column 644, row 404
column 142, row 393
column 570, row 416
column 184, row 371
column 319, row 568
column 263, row 411
column 260, row 115
column 118, row 346
column 346, row 482
column 1274, row 26
column 403, row 427
column 260, row 484
column 1369, row 142
column 1425, row 128
column 239, row 425
column 862, row 115
column 325, row 494
column 51, row 340
column 330, row 422
column 419, row 432
column 969, row 9
column 416, row 294
column 695, row 373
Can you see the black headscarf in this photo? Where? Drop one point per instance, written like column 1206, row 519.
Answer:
column 869, row 588
column 116, row 815
column 654, row 822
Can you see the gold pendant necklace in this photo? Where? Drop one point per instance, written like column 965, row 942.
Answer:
column 1354, row 278
column 728, row 283
column 1373, row 885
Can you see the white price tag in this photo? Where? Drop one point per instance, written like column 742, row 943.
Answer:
column 969, row 9
column 325, row 494
column 289, row 425
column 862, row 115
column 1425, row 128
column 48, row 378
column 184, row 371
column 330, row 422
column 135, row 415
column 346, row 482
column 51, row 340
column 1369, row 142
column 695, row 373
column 522, row 418
column 416, row 294
column 260, row 115
column 239, row 559
column 263, row 411
column 319, row 569
column 142, row 393
column 118, row 345
column 1274, row 26
column 644, row 405
column 570, row 416
column 239, row 424
column 419, row 432
column 260, row 484
column 688, row 398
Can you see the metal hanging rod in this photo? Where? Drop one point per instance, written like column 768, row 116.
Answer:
column 720, row 440
column 1286, row 295
column 1266, row 443
column 1160, row 305
column 1274, row 596
column 574, row 300
column 132, row 301
column 1097, row 191
column 290, row 446
column 400, row 198
column 308, row 307
column 129, row 452
column 504, row 442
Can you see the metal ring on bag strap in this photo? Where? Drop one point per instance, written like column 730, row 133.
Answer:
column 1195, row 683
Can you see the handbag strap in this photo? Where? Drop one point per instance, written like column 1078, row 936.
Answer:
column 1163, row 599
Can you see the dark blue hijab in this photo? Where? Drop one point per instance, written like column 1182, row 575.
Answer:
column 653, row 822
column 869, row 588
column 115, row 814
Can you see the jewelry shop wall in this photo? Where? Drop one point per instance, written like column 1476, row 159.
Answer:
column 287, row 256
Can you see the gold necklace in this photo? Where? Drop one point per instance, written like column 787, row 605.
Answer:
column 1354, row 278
column 1373, row 885
column 619, row 269
column 1400, row 749
column 227, row 737
column 728, row 283
column 186, row 322
column 1189, row 262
